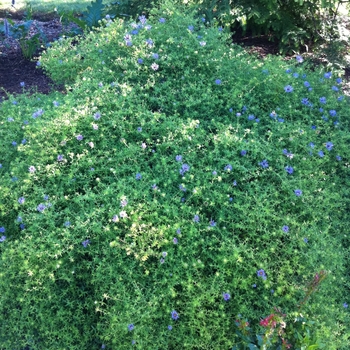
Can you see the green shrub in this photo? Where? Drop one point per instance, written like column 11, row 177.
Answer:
column 121, row 235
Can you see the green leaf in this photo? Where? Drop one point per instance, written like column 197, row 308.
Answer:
column 93, row 14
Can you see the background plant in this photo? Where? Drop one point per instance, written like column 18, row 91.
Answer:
column 155, row 201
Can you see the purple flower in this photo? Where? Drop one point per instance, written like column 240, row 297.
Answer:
column 154, row 187
column 79, row 137
column 97, row 116
column 299, row 59
column 174, row 315
column 170, row 327
column 131, row 327
column 217, row 81
column 149, row 42
column 288, row 88
column 60, row 158
column 143, row 20
column 212, row 223
column 175, row 241
column 289, row 169
column 178, row 158
column 196, row 218
column 2, row 229
column 328, row 75
column 228, row 167
column 329, row 146
column 100, row 84
column 139, row 129
column 123, row 214
column 140, row 61
column 214, row 173
column 243, row 153
column 2, row 238
column 298, row 193
column 285, row 228
column 115, row 218
column 85, row 243
column 162, row 20
column 41, row 207
column 21, row 200
column 32, row 169
column 264, row 164
column 226, row 296
column 164, row 254
column 261, row 273
column 95, row 126
column 178, row 231
column 321, row 154
column 138, row 176
column 162, row 261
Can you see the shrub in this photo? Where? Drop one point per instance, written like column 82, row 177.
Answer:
column 179, row 182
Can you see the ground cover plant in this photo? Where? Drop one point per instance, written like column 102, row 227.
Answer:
column 181, row 194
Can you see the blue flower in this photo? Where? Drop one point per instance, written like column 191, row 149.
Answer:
column 174, row 315
column 170, row 327
column 299, row 59
column 138, row 176
column 140, row 61
column 289, row 169
column 22, row 226
column 178, row 231
column 175, row 240
column 328, row 75
column 329, row 146
column 338, row 80
column 85, row 243
column 97, row 115
column 190, row 28
column 323, row 100
column 340, row 98
column 288, row 88
column 217, row 81
column 264, row 164
column 67, row 223
column 41, row 207
column 295, row 75
column 234, row 183
column 226, row 296
column 21, row 200
column 14, row 143
column 298, row 193
column 130, row 327
column 313, row 127
column 334, row 88
column 306, row 84
column 338, row 158
column 196, row 218
column 305, row 240
column 312, row 145
column 184, row 169
column 243, row 153
column 285, row 228
column 228, row 167
column 2, row 229
column 288, row 70
column 251, row 117
column 305, row 101
column 155, row 56
column 281, row 120
column 2, row 238
column 261, row 273
column 345, row 305
column 321, row 154
column 161, row 20
column 212, row 223
column 178, row 158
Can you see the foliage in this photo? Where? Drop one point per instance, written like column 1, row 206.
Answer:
column 178, row 183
